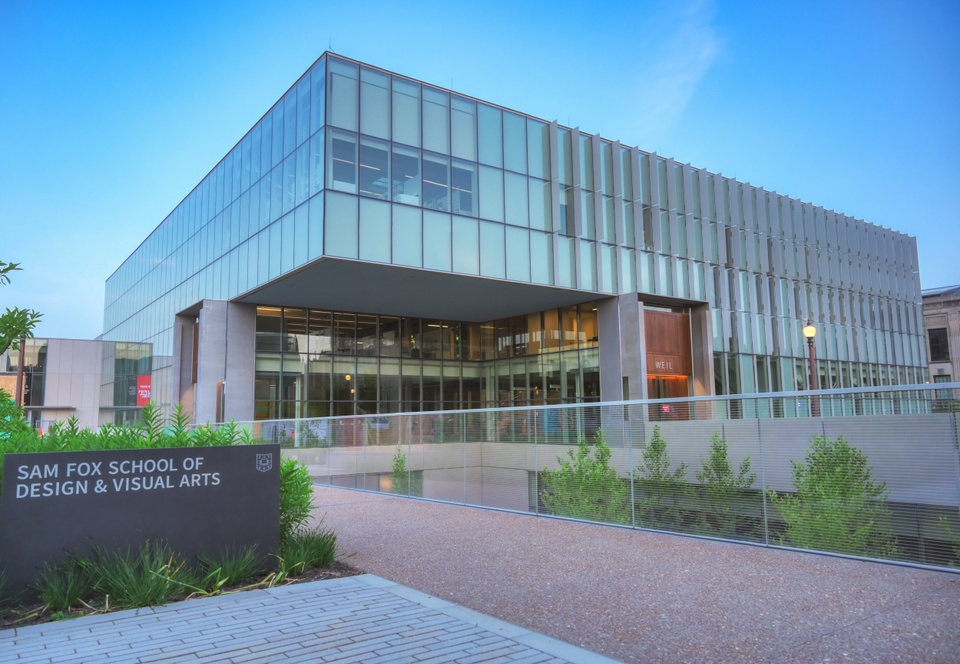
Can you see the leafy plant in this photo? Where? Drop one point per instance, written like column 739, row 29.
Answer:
column 837, row 505
column 296, row 498
column 721, row 488
column 586, row 485
column 15, row 324
column 660, row 491
column 402, row 480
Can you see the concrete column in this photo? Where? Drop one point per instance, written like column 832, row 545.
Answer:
column 211, row 359
column 622, row 357
column 182, row 386
column 240, row 371
column 226, row 353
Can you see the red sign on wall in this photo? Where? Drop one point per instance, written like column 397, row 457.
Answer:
column 143, row 390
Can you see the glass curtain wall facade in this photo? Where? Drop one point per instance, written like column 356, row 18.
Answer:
column 362, row 164
column 314, row 363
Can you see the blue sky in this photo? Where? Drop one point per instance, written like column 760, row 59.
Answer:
column 111, row 112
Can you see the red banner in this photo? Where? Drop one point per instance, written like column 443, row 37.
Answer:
column 143, row 389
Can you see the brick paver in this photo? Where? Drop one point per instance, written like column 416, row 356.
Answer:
column 356, row 619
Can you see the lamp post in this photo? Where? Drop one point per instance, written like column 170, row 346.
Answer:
column 810, row 331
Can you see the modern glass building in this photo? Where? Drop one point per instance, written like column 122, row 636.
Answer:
column 378, row 244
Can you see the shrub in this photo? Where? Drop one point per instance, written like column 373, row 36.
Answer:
column 721, row 487
column 296, row 498
column 402, row 480
column 586, row 486
column 660, row 490
column 837, row 505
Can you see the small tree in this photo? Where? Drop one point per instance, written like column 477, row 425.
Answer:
column 837, row 505
column 403, row 480
column 720, row 487
column 660, row 490
column 586, row 486
column 16, row 323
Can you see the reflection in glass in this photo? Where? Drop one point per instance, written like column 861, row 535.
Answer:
column 405, row 182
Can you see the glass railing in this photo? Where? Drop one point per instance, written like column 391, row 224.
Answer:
column 869, row 472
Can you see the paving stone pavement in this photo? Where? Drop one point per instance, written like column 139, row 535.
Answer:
column 356, row 619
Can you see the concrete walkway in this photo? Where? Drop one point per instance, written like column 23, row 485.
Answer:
column 355, row 619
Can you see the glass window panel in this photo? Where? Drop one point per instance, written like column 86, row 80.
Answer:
column 466, row 246
column 491, row 193
column 303, row 173
column 491, row 135
column 586, row 161
column 315, row 225
column 374, row 231
column 316, row 163
column 341, row 225
column 266, row 143
column 565, row 158
column 588, row 265
column 436, row 182
column 289, row 183
column 436, row 125
column 406, row 175
column 609, row 225
column 463, row 134
column 244, row 155
column 389, row 339
column 290, row 122
column 343, row 94
column 516, row 191
column 303, row 110
column 626, row 174
column 491, row 250
column 407, row 236
column 276, row 154
column 606, row 168
column 463, row 192
column 514, row 142
column 518, row 254
column 628, row 230
column 318, row 94
column 406, row 112
column 342, row 168
column 374, row 103
column 374, row 173
column 538, row 149
column 276, row 192
column 567, row 217
column 588, row 228
column 274, row 247
column 540, row 208
column 436, row 241
column 287, row 241
column 608, row 268
column 301, row 235
column 566, row 258
column 541, row 258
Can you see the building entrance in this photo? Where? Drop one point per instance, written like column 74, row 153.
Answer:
column 669, row 364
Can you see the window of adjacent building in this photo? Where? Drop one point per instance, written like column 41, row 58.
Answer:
column 942, row 395
column 939, row 345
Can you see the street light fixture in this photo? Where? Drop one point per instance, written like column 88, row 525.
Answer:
column 810, row 331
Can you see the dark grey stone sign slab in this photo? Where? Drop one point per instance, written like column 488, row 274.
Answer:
column 198, row 499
